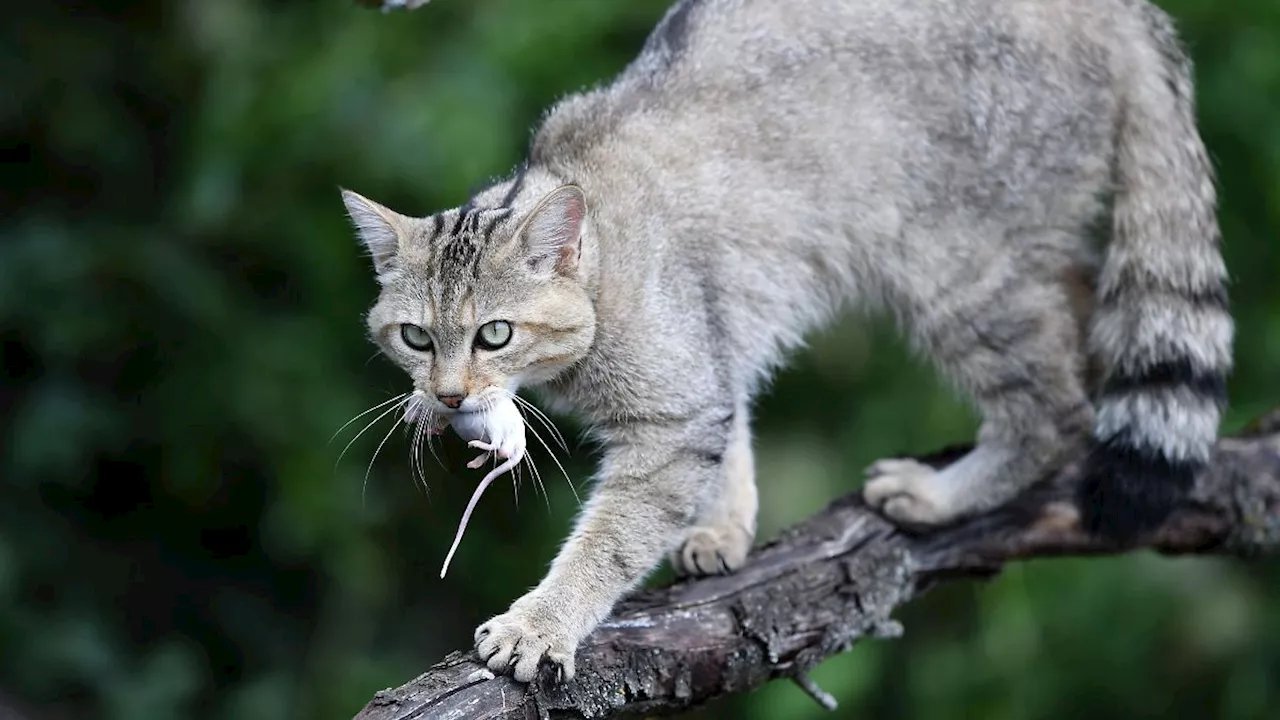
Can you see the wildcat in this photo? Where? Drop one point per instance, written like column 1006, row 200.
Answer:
column 763, row 163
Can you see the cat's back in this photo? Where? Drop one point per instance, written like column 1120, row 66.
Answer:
column 784, row 60
column 857, row 117
column 700, row 41
column 726, row 49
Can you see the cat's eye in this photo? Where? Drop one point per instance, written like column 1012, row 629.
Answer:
column 415, row 337
column 494, row 335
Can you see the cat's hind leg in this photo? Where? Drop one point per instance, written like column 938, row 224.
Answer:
column 722, row 537
column 1011, row 341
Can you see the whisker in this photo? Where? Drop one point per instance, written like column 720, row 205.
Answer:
column 411, row 430
column 515, row 485
column 555, row 460
column 537, row 412
column 537, row 478
column 415, row 447
column 411, row 407
column 542, row 418
column 431, row 440
column 415, row 453
column 365, row 429
column 538, row 475
column 521, row 402
column 366, row 412
column 369, row 468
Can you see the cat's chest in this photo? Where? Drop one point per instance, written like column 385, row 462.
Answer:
column 618, row 384
column 583, row 392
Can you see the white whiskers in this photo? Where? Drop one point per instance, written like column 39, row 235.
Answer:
column 399, row 401
column 496, row 428
column 368, row 469
column 555, row 432
column 366, row 412
column 422, row 422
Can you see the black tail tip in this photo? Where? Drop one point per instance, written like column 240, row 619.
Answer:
column 1129, row 491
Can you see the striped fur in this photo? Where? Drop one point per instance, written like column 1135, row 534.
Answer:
column 762, row 164
column 1162, row 326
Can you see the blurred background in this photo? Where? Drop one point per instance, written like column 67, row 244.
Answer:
column 181, row 310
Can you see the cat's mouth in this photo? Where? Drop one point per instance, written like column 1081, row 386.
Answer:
column 475, row 403
column 420, row 404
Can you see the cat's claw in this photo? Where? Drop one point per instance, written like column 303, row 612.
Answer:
column 712, row 551
column 519, row 641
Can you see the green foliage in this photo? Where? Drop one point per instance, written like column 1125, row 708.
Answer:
column 180, row 314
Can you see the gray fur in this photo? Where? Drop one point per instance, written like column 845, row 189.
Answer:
column 762, row 164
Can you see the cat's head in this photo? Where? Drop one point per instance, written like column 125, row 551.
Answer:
column 479, row 300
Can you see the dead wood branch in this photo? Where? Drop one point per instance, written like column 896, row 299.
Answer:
column 824, row 584
column 389, row 5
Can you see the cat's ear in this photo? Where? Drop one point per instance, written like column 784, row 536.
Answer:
column 378, row 227
column 552, row 235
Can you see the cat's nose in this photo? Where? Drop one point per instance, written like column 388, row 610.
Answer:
column 452, row 401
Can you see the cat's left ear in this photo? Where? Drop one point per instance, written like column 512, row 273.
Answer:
column 379, row 228
column 552, row 235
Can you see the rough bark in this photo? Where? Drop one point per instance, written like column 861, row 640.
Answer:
column 389, row 5
column 824, row 584
column 9, row 709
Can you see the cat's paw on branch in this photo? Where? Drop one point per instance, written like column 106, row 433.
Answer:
column 826, row 583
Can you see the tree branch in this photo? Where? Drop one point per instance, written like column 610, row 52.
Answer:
column 389, row 5
column 9, row 708
column 824, row 584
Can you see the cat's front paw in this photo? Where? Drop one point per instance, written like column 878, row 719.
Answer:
column 521, row 638
column 712, row 551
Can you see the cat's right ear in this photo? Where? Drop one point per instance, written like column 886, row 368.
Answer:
column 553, row 233
column 378, row 227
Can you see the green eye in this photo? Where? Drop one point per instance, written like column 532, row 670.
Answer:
column 494, row 335
column 415, row 337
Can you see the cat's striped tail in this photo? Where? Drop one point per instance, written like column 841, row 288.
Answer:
column 1162, row 328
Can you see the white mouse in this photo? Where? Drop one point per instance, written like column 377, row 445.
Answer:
column 497, row 430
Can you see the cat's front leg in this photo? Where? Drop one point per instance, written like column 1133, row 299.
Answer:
column 655, row 480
